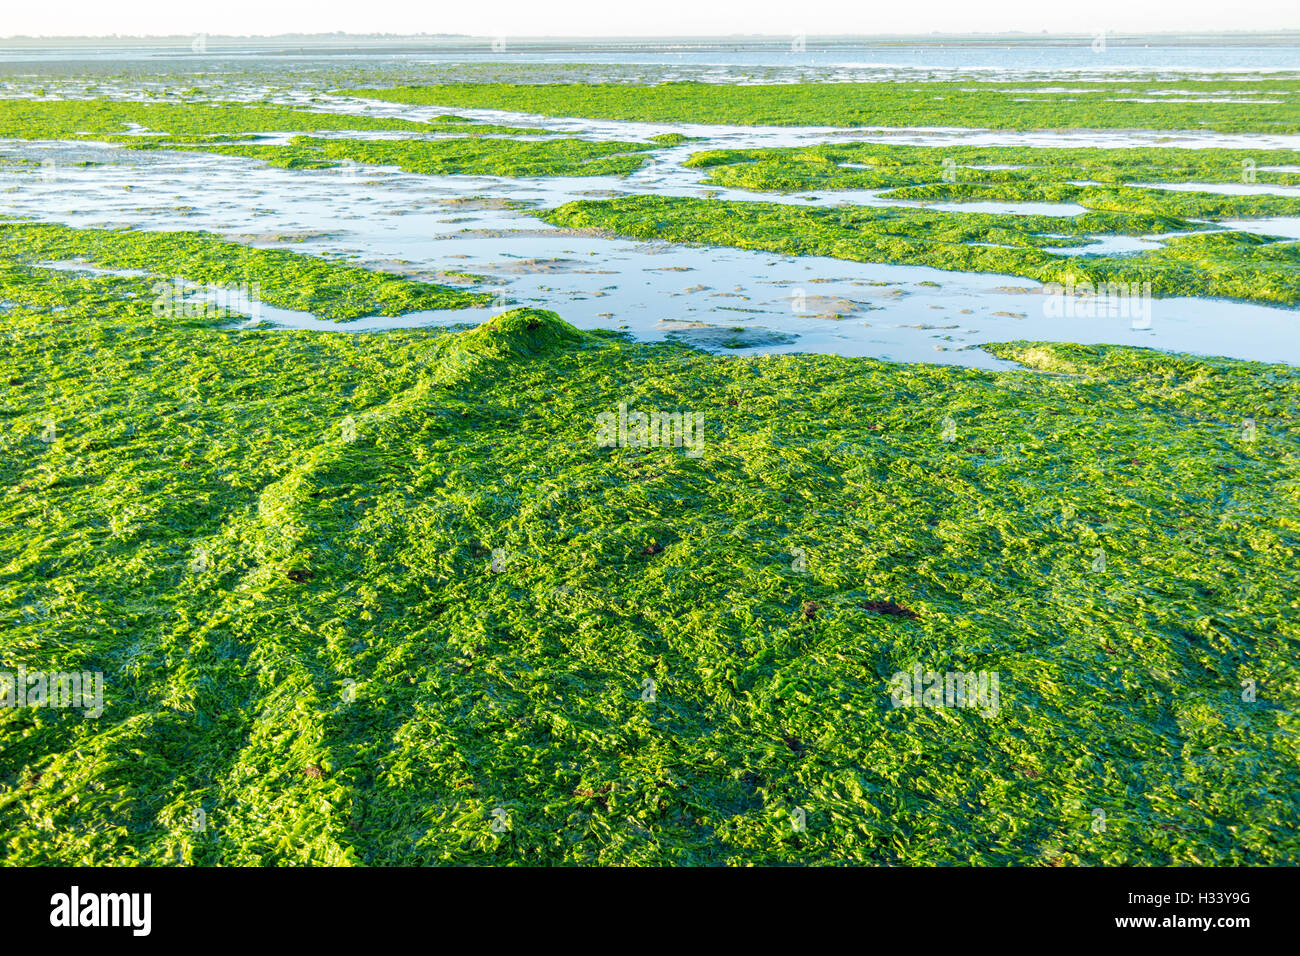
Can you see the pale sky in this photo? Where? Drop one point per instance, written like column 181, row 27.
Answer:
column 586, row 18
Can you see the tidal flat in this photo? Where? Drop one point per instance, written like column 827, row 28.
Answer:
column 1229, row 103
column 568, row 491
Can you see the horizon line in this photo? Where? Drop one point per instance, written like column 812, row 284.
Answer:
column 934, row 35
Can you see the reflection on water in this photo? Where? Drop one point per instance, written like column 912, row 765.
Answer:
column 421, row 225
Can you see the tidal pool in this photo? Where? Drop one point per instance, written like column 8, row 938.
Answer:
column 753, row 301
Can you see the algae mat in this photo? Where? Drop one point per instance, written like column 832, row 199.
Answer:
column 424, row 597
column 1254, row 104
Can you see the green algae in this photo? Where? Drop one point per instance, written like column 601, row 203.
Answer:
column 284, row 279
column 358, row 598
column 1096, row 178
column 1225, row 264
column 68, row 119
column 1159, row 202
column 672, row 139
column 1256, row 105
column 792, row 169
column 467, row 156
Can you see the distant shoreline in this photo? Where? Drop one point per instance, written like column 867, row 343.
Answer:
column 453, row 42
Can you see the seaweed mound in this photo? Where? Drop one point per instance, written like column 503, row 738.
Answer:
column 513, row 336
column 521, row 333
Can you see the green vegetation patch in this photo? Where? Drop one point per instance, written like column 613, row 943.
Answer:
column 464, row 156
column 1252, row 105
column 1234, row 265
column 288, row 280
column 62, row 119
column 1099, row 179
column 460, row 125
column 387, row 600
